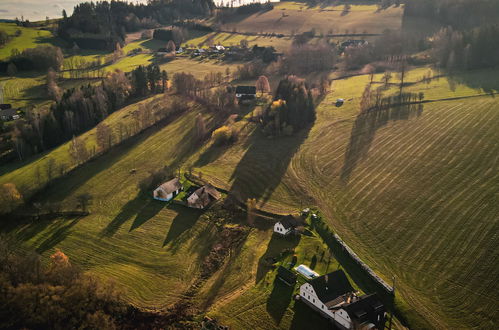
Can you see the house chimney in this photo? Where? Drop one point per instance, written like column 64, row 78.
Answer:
column 326, row 278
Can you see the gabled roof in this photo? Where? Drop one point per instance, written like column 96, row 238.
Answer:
column 206, row 194
column 171, row 186
column 331, row 286
column 245, row 90
column 290, row 222
column 366, row 308
column 287, row 275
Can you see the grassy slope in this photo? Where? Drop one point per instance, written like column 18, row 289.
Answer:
column 420, row 199
column 361, row 19
column 29, row 38
column 147, row 247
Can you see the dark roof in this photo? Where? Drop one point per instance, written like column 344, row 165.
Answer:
column 286, row 275
column 366, row 309
column 290, row 221
column 206, row 194
column 5, row 106
column 171, row 186
column 245, row 90
column 8, row 112
column 331, row 286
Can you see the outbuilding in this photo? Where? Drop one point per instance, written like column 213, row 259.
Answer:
column 287, row 225
column 168, row 190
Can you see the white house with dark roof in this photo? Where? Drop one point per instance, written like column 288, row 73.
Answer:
column 328, row 292
column 334, row 297
column 286, row 225
column 168, row 190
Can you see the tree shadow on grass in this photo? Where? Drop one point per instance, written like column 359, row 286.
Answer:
column 186, row 218
column 265, row 162
column 149, row 210
column 364, row 130
column 58, row 235
column 279, row 299
column 276, row 246
column 304, row 316
column 142, row 207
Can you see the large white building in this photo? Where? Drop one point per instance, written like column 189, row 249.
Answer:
column 333, row 296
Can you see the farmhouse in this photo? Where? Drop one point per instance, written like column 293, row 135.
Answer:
column 286, row 276
column 245, row 92
column 9, row 114
column 203, row 197
column 367, row 312
column 286, row 225
column 168, row 190
column 333, row 296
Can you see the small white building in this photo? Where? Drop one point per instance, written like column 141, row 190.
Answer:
column 307, row 272
column 333, row 296
column 168, row 190
column 286, row 225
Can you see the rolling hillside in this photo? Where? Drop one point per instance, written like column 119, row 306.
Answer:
column 415, row 195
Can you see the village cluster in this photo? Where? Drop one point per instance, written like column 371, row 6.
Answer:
column 331, row 294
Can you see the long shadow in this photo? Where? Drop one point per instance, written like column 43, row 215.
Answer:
column 304, row 316
column 279, row 300
column 262, row 167
column 487, row 80
column 127, row 212
column 364, row 130
column 186, row 218
column 275, row 248
column 149, row 209
column 58, row 235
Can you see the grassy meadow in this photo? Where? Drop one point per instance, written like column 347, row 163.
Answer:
column 29, row 38
column 293, row 17
column 415, row 193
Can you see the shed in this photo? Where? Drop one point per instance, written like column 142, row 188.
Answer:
column 246, row 92
column 168, row 190
column 306, row 271
column 203, row 197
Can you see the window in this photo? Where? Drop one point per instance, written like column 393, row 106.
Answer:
column 314, row 300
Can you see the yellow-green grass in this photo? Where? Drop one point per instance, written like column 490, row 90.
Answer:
column 23, row 174
column 269, row 303
column 198, row 67
column 150, row 249
column 415, row 198
column 29, row 38
column 361, row 19
column 233, row 39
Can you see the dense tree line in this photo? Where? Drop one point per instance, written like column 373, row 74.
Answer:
column 301, row 59
column 53, row 296
column 176, row 34
column 462, row 14
column 39, row 58
column 79, row 109
column 292, row 109
column 100, row 25
column 478, row 48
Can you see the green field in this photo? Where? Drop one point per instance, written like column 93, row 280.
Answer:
column 416, row 197
column 290, row 17
column 29, row 38
column 414, row 193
